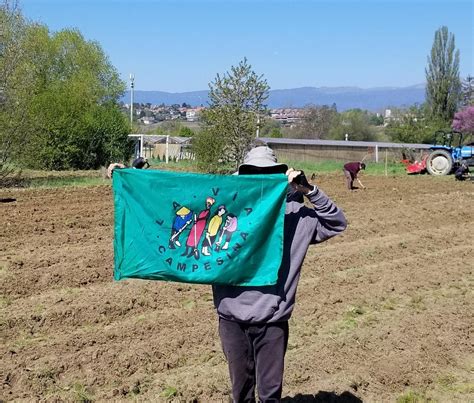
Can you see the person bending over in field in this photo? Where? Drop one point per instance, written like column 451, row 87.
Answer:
column 462, row 173
column 138, row 163
column 351, row 172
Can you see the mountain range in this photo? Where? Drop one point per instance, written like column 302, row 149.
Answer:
column 372, row 99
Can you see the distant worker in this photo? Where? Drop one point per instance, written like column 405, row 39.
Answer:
column 140, row 162
column 462, row 173
column 351, row 170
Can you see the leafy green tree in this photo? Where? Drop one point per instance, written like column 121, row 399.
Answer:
column 185, row 131
column 13, row 86
column 375, row 119
column 271, row 128
column 413, row 125
column 58, row 84
column 443, row 85
column 230, row 123
column 355, row 123
column 275, row 133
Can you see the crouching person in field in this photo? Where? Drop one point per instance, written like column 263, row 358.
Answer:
column 253, row 321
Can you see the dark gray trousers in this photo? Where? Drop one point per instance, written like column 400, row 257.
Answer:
column 255, row 355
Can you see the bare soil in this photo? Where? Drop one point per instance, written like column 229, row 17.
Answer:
column 384, row 311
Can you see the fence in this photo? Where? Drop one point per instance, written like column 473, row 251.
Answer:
column 177, row 148
column 320, row 150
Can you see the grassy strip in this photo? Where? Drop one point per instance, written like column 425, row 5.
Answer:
column 330, row 166
column 52, row 182
column 45, row 179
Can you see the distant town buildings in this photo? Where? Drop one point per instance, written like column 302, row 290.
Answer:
column 287, row 115
column 148, row 114
column 192, row 114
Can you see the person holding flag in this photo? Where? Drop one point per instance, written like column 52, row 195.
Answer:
column 253, row 321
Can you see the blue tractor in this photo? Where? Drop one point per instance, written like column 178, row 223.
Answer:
column 449, row 150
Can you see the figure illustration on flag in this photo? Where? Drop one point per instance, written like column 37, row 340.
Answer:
column 212, row 230
column 230, row 226
column 183, row 218
column 197, row 230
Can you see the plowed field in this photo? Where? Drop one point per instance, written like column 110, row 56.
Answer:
column 382, row 310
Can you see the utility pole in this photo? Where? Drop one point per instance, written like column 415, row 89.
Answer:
column 258, row 126
column 132, row 86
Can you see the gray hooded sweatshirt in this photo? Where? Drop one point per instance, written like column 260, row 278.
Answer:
column 303, row 226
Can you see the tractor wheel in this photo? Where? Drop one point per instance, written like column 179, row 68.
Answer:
column 439, row 162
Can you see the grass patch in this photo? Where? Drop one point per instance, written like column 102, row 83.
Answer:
column 350, row 320
column 81, row 394
column 450, row 383
column 5, row 301
column 411, row 396
column 27, row 340
column 188, row 304
column 53, row 182
column 169, row 392
column 417, row 303
column 447, row 381
column 389, row 304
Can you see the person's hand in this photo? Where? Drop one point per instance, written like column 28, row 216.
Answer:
column 112, row 167
column 298, row 180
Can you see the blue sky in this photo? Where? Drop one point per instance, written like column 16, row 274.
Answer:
column 181, row 45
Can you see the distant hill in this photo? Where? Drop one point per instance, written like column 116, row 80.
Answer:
column 372, row 99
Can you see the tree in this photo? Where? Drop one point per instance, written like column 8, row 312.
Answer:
column 355, row 123
column 230, row 123
column 413, row 125
column 12, row 87
column 59, row 98
column 186, row 131
column 467, row 91
column 464, row 120
column 316, row 123
column 271, row 128
column 443, row 85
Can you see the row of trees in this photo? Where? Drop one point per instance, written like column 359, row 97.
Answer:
column 58, row 98
column 325, row 122
column 237, row 108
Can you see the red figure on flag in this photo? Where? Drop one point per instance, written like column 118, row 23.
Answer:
column 197, row 229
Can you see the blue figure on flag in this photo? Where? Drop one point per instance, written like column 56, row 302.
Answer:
column 183, row 218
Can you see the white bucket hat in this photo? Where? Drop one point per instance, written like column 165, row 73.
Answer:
column 261, row 159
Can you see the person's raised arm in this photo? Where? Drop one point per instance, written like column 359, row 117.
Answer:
column 327, row 218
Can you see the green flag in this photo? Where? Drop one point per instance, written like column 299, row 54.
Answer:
column 194, row 228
